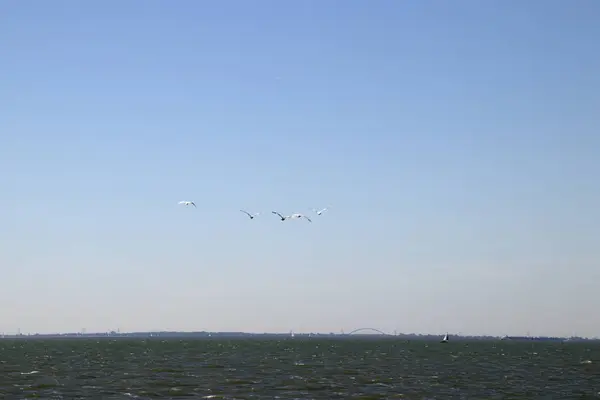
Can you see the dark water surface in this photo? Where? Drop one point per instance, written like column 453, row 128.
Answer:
column 296, row 369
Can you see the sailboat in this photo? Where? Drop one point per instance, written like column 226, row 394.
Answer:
column 445, row 339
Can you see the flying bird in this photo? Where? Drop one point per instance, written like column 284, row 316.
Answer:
column 319, row 212
column 187, row 203
column 251, row 216
column 297, row 216
column 283, row 218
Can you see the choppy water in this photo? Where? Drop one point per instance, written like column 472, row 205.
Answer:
column 296, row 369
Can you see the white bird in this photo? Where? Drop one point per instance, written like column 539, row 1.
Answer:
column 283, row 218
column 251, row 216
column 319, row 212
column 296, row 216
column 187, row 203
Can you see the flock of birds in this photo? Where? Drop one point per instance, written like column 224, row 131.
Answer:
column 281, row 216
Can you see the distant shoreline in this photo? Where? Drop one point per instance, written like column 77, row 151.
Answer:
column 243, row 335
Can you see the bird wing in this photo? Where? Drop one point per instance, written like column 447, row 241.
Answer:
column 192, row 203
column 246, row 212
column 276, row 213
column 309, row 220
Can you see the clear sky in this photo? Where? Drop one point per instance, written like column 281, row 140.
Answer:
column 455, row 142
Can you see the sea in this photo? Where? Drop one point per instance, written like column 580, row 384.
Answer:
column 296, row 368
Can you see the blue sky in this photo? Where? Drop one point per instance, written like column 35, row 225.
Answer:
column 454, row 141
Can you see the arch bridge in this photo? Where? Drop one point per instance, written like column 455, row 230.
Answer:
column 368, row 330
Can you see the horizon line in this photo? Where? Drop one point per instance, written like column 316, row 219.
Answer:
column 354, row 332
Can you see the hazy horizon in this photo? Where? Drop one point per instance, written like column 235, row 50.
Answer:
column 455, row 144
column 353, row 332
